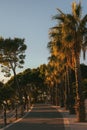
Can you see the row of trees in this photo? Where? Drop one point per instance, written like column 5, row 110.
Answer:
column 61, row 78
column 36, row 85
column 67, row 39
column 32, row 89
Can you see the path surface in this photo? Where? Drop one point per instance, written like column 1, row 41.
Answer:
column 42, row 117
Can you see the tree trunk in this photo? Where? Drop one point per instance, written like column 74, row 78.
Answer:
column 5, row 114
column 61, row 94
column 66, row 89
column 56, row 96
column 19, row 90
column 80, row 108
column 71, row 95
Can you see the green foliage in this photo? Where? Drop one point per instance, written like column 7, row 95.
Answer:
column 6, row 92
column 12, row 53
column 32, row 82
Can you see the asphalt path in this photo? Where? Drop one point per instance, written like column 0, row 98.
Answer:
column 41, row 117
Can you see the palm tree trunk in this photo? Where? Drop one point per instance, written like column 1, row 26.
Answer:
column 61, row 94
column 57, row 102
column 80, row 108
column 71, row 95
column 66, row 89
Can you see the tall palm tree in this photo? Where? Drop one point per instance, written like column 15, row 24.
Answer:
column 63, row 56
column 74, row 37
column 71, row 33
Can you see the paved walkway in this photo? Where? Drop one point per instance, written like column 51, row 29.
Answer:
column 71, row 119
column 68, row 120
column 41, row 117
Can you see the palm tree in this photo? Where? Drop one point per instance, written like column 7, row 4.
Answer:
column 74, row 37
column 68, row 38
column 62, row 56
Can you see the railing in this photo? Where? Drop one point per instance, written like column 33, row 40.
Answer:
column 9, row 116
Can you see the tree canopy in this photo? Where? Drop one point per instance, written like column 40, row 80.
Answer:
column 12, row 54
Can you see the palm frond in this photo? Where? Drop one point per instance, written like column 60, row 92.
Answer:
column 79, row 10
column 60, row 11
column 59, row 17
column 76, row 10
column 83, row 24
column 49, row 45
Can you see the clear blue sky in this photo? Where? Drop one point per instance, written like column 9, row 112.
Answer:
column 31, row 19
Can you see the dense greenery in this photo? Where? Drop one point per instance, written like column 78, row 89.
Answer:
column 35, row 85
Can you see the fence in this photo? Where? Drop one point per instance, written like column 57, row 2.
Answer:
column 11, row 116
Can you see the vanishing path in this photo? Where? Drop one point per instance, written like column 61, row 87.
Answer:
column 41, row 117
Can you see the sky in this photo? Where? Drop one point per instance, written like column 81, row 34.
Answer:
column 32, row 19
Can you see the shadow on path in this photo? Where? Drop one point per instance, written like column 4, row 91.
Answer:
column 42, row 117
